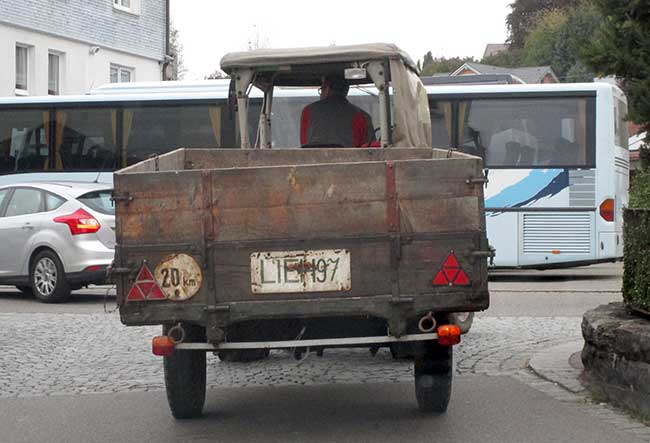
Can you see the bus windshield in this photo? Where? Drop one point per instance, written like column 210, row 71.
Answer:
column 519, row 132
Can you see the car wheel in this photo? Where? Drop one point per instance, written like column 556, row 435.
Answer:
column 48, row 278
column 25, row 289
column 464, row 320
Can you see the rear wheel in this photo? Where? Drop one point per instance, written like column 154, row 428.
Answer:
column 464, row 320
column 433, row 377
column 48, row 278
column 185, row 376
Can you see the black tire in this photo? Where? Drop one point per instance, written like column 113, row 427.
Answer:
column 185, row 376
column 25, row 290
column 433, row 377
column 47, row 278
column 463, row 319
column 243, row 355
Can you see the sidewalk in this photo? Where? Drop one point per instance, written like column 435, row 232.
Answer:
column 560, row 364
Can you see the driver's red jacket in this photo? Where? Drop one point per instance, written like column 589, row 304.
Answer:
column 334, row 121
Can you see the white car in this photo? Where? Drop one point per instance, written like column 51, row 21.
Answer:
column 55, row 236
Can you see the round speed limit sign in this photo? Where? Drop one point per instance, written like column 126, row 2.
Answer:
column 179, row 276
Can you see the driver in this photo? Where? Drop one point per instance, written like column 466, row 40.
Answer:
column 333, row 121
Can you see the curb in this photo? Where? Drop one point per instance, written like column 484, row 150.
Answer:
column 554, row 364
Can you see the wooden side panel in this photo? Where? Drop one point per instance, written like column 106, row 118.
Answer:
column 434, row 196
column 238, row 158
column 165, row 207
column 370, row 271
column 299, row 202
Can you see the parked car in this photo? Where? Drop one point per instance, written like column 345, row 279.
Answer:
column 55, row 237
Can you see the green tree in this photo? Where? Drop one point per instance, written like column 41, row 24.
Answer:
column 217, row 74
column 176, row 50
column 525, row 14
column 559, row 38
column 622, row 48
column 431, row 65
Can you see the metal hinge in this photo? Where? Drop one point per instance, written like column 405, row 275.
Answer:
column 122, row 198
column 120, row 270
column 476, row 181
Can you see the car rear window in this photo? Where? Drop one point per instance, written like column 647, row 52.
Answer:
column 100, row 201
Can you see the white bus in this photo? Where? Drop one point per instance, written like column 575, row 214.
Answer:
column 557, row 164
column 555, row 155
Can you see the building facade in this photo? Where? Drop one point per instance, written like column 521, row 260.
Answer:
column 71, row 46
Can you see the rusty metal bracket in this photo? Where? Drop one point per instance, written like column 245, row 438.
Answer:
column 120, row 271
column 126, row 198
column 477, row 181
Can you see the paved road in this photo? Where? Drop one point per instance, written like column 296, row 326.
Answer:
column 55, row 354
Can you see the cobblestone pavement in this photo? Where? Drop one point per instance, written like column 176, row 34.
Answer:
column 49, row 354
column 55, row 354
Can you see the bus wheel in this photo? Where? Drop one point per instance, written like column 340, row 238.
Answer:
column 433, row 376
column 185, row 376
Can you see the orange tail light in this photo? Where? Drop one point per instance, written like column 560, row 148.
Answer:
column 163, row 346
column 448, row 335
column 607, row 210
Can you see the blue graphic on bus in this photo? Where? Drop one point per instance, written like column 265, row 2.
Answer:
column 538, row 184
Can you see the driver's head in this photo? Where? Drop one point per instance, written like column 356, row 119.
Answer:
column 334, row 84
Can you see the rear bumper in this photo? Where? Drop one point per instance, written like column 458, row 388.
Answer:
column 77, row 256
column 397, row 311
column 98, row 277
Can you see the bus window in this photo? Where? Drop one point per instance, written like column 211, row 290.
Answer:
column 441, row 123
column 24, row 141
column 621, row 133
column 529, row 133
column 85, row 139
column 153, row 130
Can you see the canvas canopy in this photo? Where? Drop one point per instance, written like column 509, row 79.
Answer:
column 284, row 62
column 405, row 120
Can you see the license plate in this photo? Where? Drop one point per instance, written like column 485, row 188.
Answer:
column 300, row 271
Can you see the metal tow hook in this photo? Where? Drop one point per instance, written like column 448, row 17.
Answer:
column 177, row 334
column 427, row 323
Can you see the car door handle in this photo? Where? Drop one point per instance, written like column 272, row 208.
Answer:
column 27, row 226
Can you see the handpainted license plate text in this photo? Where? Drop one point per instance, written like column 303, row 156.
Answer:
column 300, row 271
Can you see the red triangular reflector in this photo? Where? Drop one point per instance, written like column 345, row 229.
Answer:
column 440, row 279
column 450, row 274
column 135, row 293
column 451, row 262
column 144, row 275
column 145, row 287
column 462, row 279
column 156, row 293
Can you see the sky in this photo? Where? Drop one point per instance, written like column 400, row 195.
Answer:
column 209, row 29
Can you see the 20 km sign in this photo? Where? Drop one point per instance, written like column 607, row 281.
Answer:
column 179, row 276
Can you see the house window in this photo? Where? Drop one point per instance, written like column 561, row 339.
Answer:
column 131, row 6
column 22, row 69
column 121, row 74
column 53, row 73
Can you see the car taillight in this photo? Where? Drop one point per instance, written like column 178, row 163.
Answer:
column 607, row 210
column 80, row 222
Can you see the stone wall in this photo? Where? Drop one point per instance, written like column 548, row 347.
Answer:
column 616, row 356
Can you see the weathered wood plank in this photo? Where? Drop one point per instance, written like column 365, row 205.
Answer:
column 237, row 158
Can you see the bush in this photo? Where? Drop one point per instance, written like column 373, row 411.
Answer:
column 636, row 272
column 640, row 190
